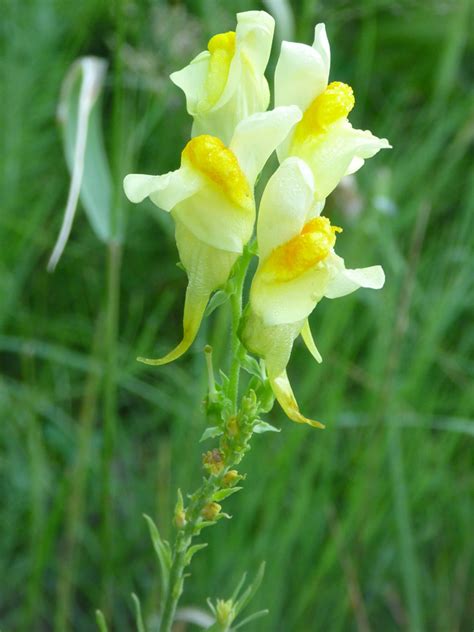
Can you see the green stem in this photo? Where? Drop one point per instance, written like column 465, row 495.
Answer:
column 234, row 373
column 114, row 256
column 175, row 583
column 204, row 495
column 182, row 543
column 236, row 310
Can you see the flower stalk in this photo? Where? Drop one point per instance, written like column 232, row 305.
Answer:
column 236, row 310
column 211, row 200
column 237, row 428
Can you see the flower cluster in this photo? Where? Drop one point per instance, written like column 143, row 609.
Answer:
column 211, row 196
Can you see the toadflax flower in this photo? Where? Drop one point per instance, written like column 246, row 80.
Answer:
column 297, row 268
column 324, row 138
column 211, row 200
column 226, row 83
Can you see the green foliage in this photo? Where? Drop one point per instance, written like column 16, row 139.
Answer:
column 96, row 189
column 367, row 525
column 163, row 553
column 226, row 612
column 138, row 614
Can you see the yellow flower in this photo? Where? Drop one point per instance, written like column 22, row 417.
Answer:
column 297, row 268
column 226, row 83
column 324, row 138
column 211, row 200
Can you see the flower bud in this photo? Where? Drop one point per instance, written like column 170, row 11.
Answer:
column 180, row 519
column 230, row 478
column 225, row 612
column 210, row 511
column 233, row 426
column 213, row 461
column 180, row 512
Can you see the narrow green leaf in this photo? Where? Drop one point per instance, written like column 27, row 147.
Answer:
column 100, row 619
column 192, row 551
column 179, row 503
column 225, row 493
column 211, row 433
column 252, row 617
column 218, row 298
column 239, row 587
column 253, row 367
column 138, row 614
column 203, row 525
column 262, row 426
column 251, row 590
column 163, row 553
column 211, row 606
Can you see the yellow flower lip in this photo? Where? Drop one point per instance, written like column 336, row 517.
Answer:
column 217, row 162
column 301, row 253
column 222, row 41
column 222, row 49
column 330, row 106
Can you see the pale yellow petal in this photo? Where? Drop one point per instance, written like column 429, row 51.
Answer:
column 285, row 205
column 246, row 83
column 224, row 89
column 321, row 46
column 309, row 341
column 291, row 301
column 301, row 74
column 257, row 137
column 215, row 220
column 166, row 190
column 331, row 153
column 345, row 281
column 355, row 164
column 192, row 80
column 254, row 35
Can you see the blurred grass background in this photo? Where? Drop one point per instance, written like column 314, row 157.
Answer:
column 366, row 526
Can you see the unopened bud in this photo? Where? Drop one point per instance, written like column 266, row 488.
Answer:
column 179, row 512
column 180, row 519
column 233, row 426
column 210, row 511
column 230, row 478
column 224, row 612
column 213, row 461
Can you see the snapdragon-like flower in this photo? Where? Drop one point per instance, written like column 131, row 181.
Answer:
column 324, row 138
column 226, row 83
column 297, row 268
column 211, row 200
